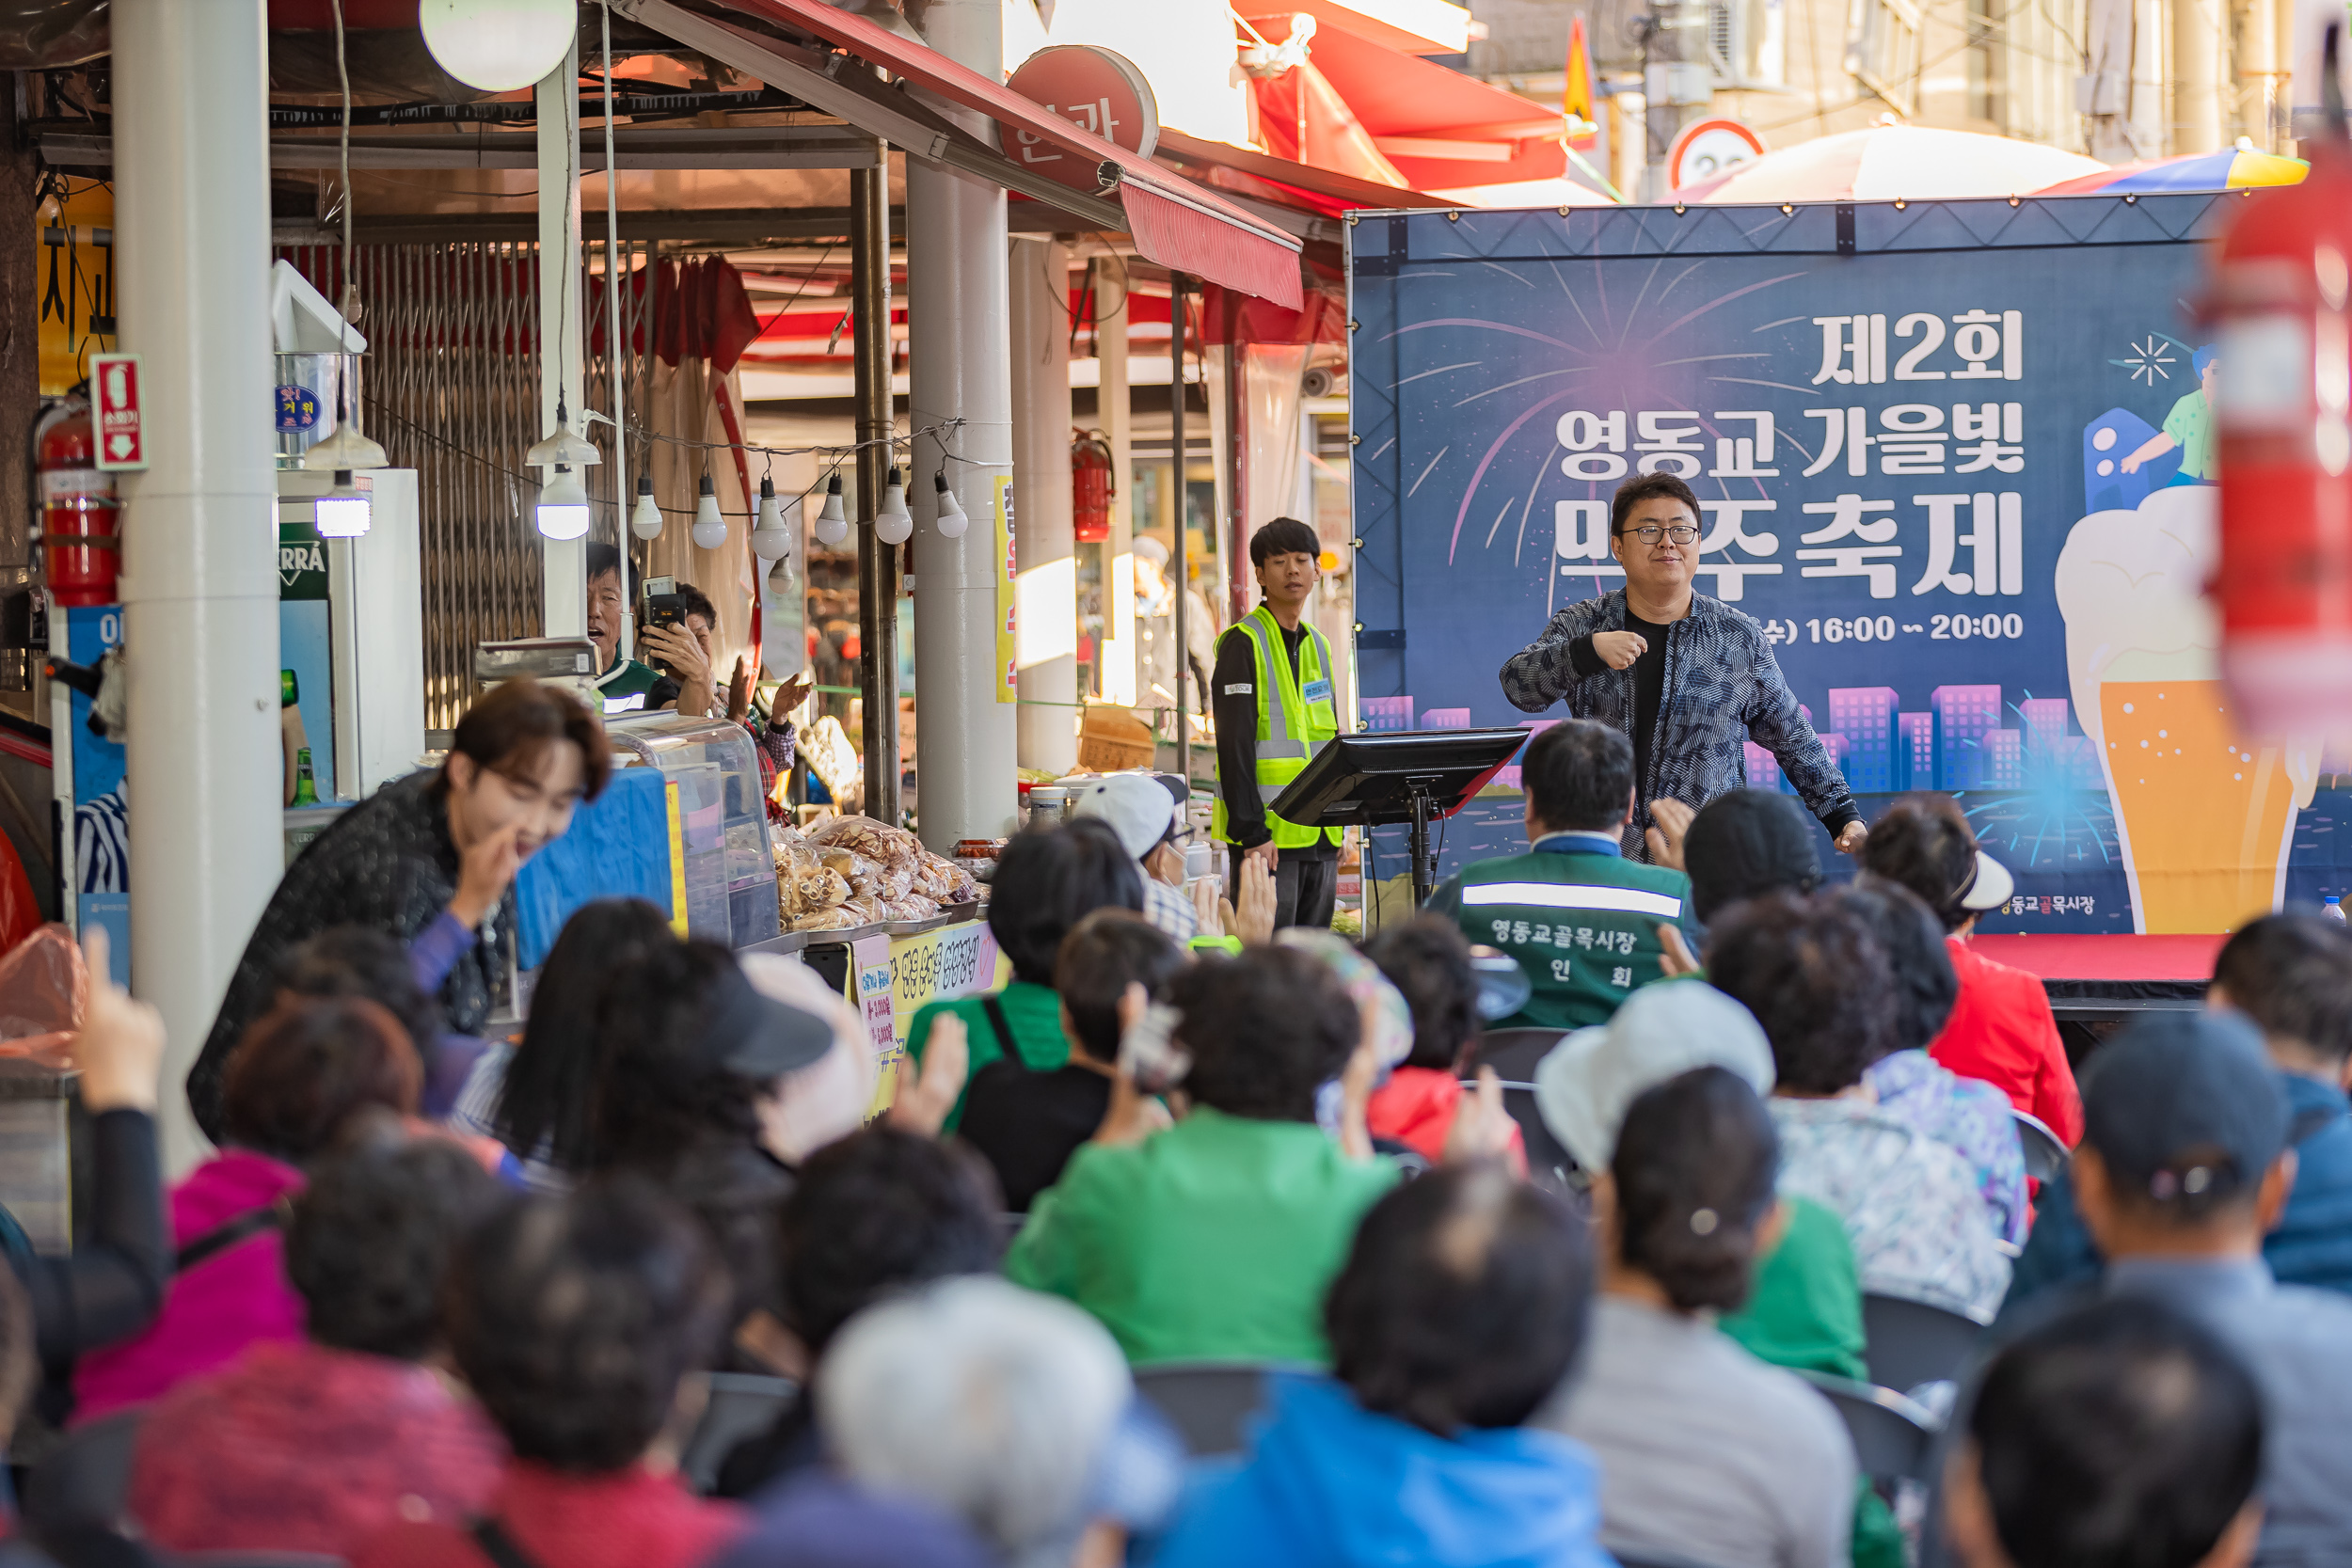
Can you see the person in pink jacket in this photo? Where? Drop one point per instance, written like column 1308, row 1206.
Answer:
column 302, row 1072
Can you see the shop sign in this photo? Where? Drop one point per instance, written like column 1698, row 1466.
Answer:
column 1098, row 90
column 114, row 380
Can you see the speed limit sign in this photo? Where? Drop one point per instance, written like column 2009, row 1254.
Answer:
column 1707, row 148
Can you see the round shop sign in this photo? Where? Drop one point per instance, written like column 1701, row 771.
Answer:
column 1100, row 91
column 297, row 409
column 1707, row 148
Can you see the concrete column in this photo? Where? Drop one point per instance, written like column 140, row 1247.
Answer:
column 1117, row 658
column 959, row 369
column 877, row 561
column 2195, row 75
column 199, row 584
column 1048, row 551
column 563, row 347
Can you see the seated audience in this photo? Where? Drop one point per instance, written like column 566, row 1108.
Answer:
column 1972, row 1117
column 874, row 1214
column 1819, row 984
column 2290, row 976
column 1047, row 881
column 2184, row 1165
column 575, row 1321
column 1028, row 1123
column 313, row 1447
column 1428, row 962
column 1746, row 843
column 1010, row 1410
column 1459, row 1312
column 1145, row 812
column 2119, row 1435
column 356, row 961
column 1707, row 1454
column 536, row 1097
column 291, row 1089
column 1217, row 1237
column 2001, row 1031
column 1582, row 919
column 819, row 1520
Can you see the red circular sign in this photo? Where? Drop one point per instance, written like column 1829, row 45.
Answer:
column 1096, row 89
column 1707, row 148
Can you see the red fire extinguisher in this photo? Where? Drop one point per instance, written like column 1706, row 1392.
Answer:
column 2282, row 308
column 77, row 507
column 1092, row 486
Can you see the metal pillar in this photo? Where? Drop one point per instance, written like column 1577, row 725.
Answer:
column 2195, row 75
column 1118, row 657
column 877, row 563
column 199, row 585
column 563, row 347
column 961, row 370
column 1178, row 533
column 1048, row 547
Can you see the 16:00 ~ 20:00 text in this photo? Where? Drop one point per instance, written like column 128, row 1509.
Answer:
column 1883, row 628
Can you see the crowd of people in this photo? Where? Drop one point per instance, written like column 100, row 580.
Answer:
column 651, row 1287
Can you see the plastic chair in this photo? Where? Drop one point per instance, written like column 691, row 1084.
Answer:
column 2045, row 1156
column 1893, row 1436
column 1912, row 1342
column 1514, row 1052
column 1208, row 1402
column 741, row 1405
column 1548, row 1162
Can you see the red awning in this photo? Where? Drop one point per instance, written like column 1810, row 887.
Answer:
column 1174, row 222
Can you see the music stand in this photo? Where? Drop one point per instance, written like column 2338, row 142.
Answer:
column 1414, row 776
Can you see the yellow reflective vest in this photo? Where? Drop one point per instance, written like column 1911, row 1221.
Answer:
column 1297, row 716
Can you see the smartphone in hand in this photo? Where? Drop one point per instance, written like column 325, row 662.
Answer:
column 1148, row 1055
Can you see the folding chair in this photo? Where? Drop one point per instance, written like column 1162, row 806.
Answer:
column 1912, row 1342
column 2045, row 1156
column 1514, row 1052
column 1208, row 1402
column 741, row 1405
column 1894, row 1438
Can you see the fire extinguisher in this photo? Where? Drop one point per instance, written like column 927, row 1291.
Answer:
column 77, row 507
column 2281, row 310
column 1092, row 486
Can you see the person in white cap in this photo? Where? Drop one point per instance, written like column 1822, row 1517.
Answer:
column 1141, row 810
column 2001, row 1030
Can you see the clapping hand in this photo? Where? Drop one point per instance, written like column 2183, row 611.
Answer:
column 120, row 1048
column 927, row 1093
column 1665, row 840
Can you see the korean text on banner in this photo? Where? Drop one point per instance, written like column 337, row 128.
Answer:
column 1007, row 591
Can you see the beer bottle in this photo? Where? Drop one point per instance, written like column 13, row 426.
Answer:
column 306, row 792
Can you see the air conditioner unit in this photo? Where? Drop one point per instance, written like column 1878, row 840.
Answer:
column 1747, row 43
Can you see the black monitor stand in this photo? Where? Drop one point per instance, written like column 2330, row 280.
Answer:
column 1415, row 777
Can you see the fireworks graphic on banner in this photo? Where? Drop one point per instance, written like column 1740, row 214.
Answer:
column 2152, row 359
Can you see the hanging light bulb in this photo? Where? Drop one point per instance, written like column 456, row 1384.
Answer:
column 646, row 522
column 563, row 511
column 832, row 523
column 781, row 580
column 342, row 512
column 894, row 524
column 771, row 538
column 951, row 521
column 710, row 530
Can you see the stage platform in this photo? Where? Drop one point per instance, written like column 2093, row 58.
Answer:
column 2104, row 976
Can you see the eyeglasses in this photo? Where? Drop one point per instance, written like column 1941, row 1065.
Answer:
column 1649, row 534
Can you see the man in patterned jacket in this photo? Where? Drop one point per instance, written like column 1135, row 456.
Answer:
column 1686, row 678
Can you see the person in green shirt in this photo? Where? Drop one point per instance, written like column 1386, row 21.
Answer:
column 623, row 682
column 2189, row 426
column 1047, row 881
column 1216, row 1238
column 1580, row 918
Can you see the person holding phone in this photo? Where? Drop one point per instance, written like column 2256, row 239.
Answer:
column 1271, row 694
column 624, row 684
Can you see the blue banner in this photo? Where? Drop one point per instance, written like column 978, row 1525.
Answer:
column 1955, row 457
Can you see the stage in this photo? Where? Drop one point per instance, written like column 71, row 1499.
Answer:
column 2106, row 976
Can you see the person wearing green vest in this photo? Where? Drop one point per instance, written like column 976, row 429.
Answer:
column 1582, row 920
column 1272, row 697
column 624, row 684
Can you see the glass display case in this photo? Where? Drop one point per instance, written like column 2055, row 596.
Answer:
column 730, row 875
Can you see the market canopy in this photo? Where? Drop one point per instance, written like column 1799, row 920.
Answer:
column 2230, row 169
column 1888, row 162
column 1174, row 222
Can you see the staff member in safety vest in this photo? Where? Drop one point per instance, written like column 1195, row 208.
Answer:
column 1578, row 917
column 1688, row 679
column 1271, row 692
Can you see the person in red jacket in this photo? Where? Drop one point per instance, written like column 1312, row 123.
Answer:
column 2001, row 1030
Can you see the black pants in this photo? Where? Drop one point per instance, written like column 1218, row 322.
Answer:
column 1306, row 883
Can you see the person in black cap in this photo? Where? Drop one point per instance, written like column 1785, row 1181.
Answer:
column 1745, row 842
column 2184, row 1165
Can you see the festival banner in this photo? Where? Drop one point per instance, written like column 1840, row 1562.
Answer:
column 1956, row 458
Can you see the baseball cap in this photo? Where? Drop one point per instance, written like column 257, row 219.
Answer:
column 1504, row 987
column 1746, row 843
column 1989, row 884
column 1584, row 1084
column 2184, row 1106
column 757, row 1036
column 1137, row 806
